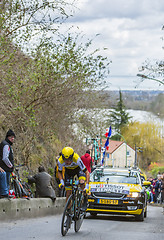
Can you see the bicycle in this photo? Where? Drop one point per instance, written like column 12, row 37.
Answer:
column 96, row 149
column 73, row 209
column 62, row 192
column 20, row 189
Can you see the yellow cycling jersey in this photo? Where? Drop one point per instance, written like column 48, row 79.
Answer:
column 76, row 162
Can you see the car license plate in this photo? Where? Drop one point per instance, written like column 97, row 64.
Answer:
column 107, row 201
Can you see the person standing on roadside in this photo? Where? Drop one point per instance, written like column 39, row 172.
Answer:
column 162, row 188
column 3, row 184
column 87, row 160
column 7, row 159
column 157, row 189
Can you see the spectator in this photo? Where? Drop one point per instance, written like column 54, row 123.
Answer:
column 3, row 184
column 86, row 158
column 152, row 194
column 7, row 158
column 42, row 181
column 159, row 175
column 157, row 189
column 162, row 188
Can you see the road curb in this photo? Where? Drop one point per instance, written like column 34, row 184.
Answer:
column 34, row 207
column 156, row 204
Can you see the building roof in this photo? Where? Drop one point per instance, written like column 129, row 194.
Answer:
column 113, row 145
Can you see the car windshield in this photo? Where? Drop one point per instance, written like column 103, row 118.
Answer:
column 117, row 178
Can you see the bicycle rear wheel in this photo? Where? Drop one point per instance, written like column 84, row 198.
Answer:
column 67, row 216
column 79, row 212
column 17, row 189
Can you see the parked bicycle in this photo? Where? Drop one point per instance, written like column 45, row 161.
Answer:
column 21, row 189
column 96, row 144
column 73, row 210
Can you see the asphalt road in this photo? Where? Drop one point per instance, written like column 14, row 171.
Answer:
column 103, row 227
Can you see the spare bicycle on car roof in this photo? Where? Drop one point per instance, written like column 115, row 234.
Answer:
column 96, row 145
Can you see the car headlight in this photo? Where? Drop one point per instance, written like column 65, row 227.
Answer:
column 134, row 194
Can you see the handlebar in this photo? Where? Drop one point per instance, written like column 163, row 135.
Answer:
column 74, row 182
column 20, row 165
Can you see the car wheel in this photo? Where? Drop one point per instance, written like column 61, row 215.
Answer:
column 140, row 217
column 145, row 213
column 93, row 214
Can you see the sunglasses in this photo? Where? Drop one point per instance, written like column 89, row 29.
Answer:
column 67, row 159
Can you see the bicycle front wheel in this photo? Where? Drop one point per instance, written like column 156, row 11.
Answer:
column 63, row 192
column 80, row 213
column 26, row 190
column 67, row 216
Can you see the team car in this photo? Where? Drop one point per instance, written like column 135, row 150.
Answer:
column 117, row 191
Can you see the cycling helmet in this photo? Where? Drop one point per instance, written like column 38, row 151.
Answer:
column 67, row 153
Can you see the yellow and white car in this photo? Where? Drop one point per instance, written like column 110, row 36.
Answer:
column 117, row 191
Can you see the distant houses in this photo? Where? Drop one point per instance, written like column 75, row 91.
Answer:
column 119, row 154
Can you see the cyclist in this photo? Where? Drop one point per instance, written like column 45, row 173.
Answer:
column 73, row 166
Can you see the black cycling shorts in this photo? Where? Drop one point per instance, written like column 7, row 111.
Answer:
column 70, row 173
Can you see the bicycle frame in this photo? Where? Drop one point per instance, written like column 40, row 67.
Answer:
column 96, row 148
column 14, row 176
column 20, row 190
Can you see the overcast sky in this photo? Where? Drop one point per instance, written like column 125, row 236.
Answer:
column 130, row 29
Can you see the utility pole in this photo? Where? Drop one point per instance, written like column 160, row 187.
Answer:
column 135, row 160
column 137, row 149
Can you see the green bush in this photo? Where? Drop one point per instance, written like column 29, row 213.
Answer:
column 51, row 171
column 155, row 171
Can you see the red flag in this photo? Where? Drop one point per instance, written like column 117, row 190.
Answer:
column 106, row 134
